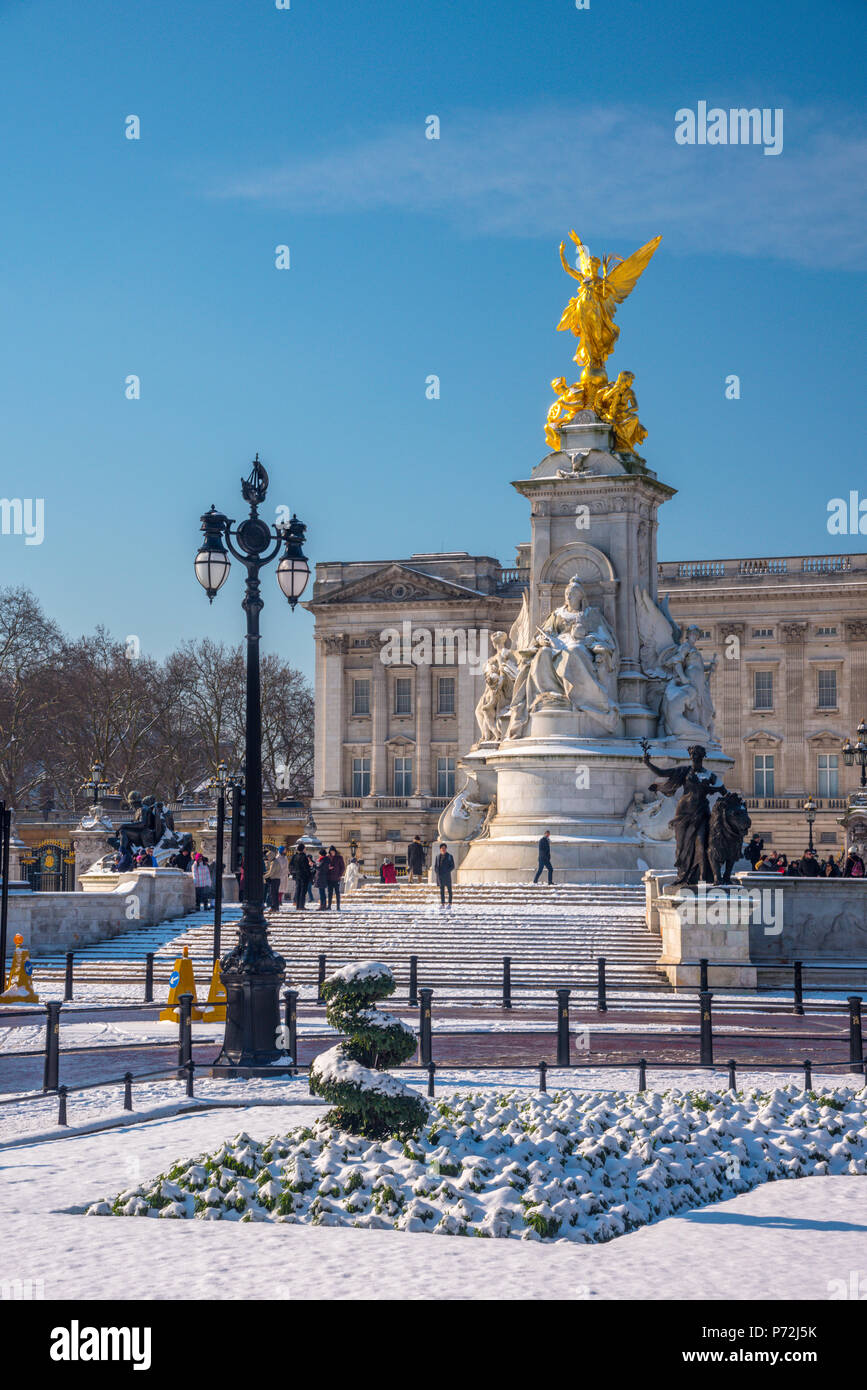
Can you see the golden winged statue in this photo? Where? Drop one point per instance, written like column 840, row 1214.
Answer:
column 589, row 315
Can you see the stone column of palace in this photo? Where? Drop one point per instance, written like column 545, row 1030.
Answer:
column 730, row 675
column 378, row 729
column 331, row 732
column 422, row 769
column 856, row 638
column 794, row 751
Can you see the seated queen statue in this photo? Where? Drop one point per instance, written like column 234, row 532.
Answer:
column 572, row 663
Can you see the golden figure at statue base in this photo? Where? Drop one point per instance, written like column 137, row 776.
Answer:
column 589, row 315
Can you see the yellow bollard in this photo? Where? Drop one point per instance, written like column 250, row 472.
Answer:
column 181, row 981
column 214, row 1007
column 19, row 989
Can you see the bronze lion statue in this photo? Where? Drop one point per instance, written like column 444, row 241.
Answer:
column 729, row 824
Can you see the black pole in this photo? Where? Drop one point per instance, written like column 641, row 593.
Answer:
column 50, row 1075
column 702, row 975
column 507, row 982
column 799, row 987
column 6, row 827
column 185, row 1030
column 61, row 1106
column 218, row 878
column 127, row 1090
column 856, row 1047
column 424, row 1027
column 290, row 1020
column 733, row 1075
column 704, row 1001
column 543, row 1076
column 642, row 1074
column 413, row 980
column 808, row 1074
column 191, row 1067
column 67, row 986
column 563, row 1058
column 149, row 978
column 432, row 1066
column 601, row 1001
column 320, row 981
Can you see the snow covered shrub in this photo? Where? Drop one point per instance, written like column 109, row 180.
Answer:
column 352, row 1076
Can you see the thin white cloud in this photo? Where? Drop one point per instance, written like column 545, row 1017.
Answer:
column 615, row 168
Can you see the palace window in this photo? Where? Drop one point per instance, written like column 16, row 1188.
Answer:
column 826, row 632
column 827, row 689
column 828, row 774
column 403, row 776
column 361, row 776
column 446, row 695
column 763, row 632
column 403, row 695
column 445, row 776
column 763, row 774
column 763, row 690
column 361, row 697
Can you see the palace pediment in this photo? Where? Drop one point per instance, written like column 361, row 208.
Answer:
column 396, row 583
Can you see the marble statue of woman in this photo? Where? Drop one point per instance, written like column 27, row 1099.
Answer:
column 501, row 669
column 572, row 663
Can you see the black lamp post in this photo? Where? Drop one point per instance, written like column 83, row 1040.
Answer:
column 97, row 787
column 810, row 813
column 251, row 972
column 857, row 751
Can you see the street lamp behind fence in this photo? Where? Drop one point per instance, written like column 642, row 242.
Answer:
column 251, row 972
column 810, row 813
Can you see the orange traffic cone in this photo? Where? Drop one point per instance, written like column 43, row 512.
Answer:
column 214, row 1007
column 19, row 989
column 181, row 981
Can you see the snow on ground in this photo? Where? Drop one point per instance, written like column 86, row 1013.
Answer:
column 781, row 1241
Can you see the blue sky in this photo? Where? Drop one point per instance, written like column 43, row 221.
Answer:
column 410, row 257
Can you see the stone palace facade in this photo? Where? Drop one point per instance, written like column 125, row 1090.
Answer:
column 401, row 647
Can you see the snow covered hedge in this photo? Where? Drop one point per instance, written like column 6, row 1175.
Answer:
column 352, row 1075
column 572, row 1166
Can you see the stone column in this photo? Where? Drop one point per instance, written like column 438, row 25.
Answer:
column 378, row 729
column 796, row 779
column 422, row 772
column 333, row 715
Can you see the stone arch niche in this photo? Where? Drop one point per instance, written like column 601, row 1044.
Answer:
column 593, row 568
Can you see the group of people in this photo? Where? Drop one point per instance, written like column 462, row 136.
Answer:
column 809, row 865
column 324, row 872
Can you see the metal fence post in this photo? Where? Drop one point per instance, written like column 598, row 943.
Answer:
column 185, row 1030
column 856, row 1047
column 702, row 975
column 642, row 1074
column 733, row 1074
column 799, row 987
column 149, row 978
column 127, row 1090
column 808, row 1074
column 290, row 1019
column 432, row 1066
column 507, row 982
column 413, row 980
column 67, row 984
column 50, row 1075
column 321, row 981
column 704, row 1002
column 191, row 1067
column 424, row 1026
column 61, row 1106
column 601, row 1000
column 543, row 1076
column 563, row 1058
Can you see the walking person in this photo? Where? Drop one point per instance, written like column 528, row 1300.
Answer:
column 299, row 868
column 387, row 871
column 311, row 877
column 321, row 879
column 415, row 859
column 283, row 861
column 336, row 870
column 443, row 868
column 272, row 881
column 202, row 882
column 545, row 858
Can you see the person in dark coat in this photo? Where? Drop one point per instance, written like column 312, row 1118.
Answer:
column 545, row 858
column 336, row 870
column 753, row 850
column 299, row 868
column 443, row 868
column 415, row 859
column 320, row 878
column 810, row 865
